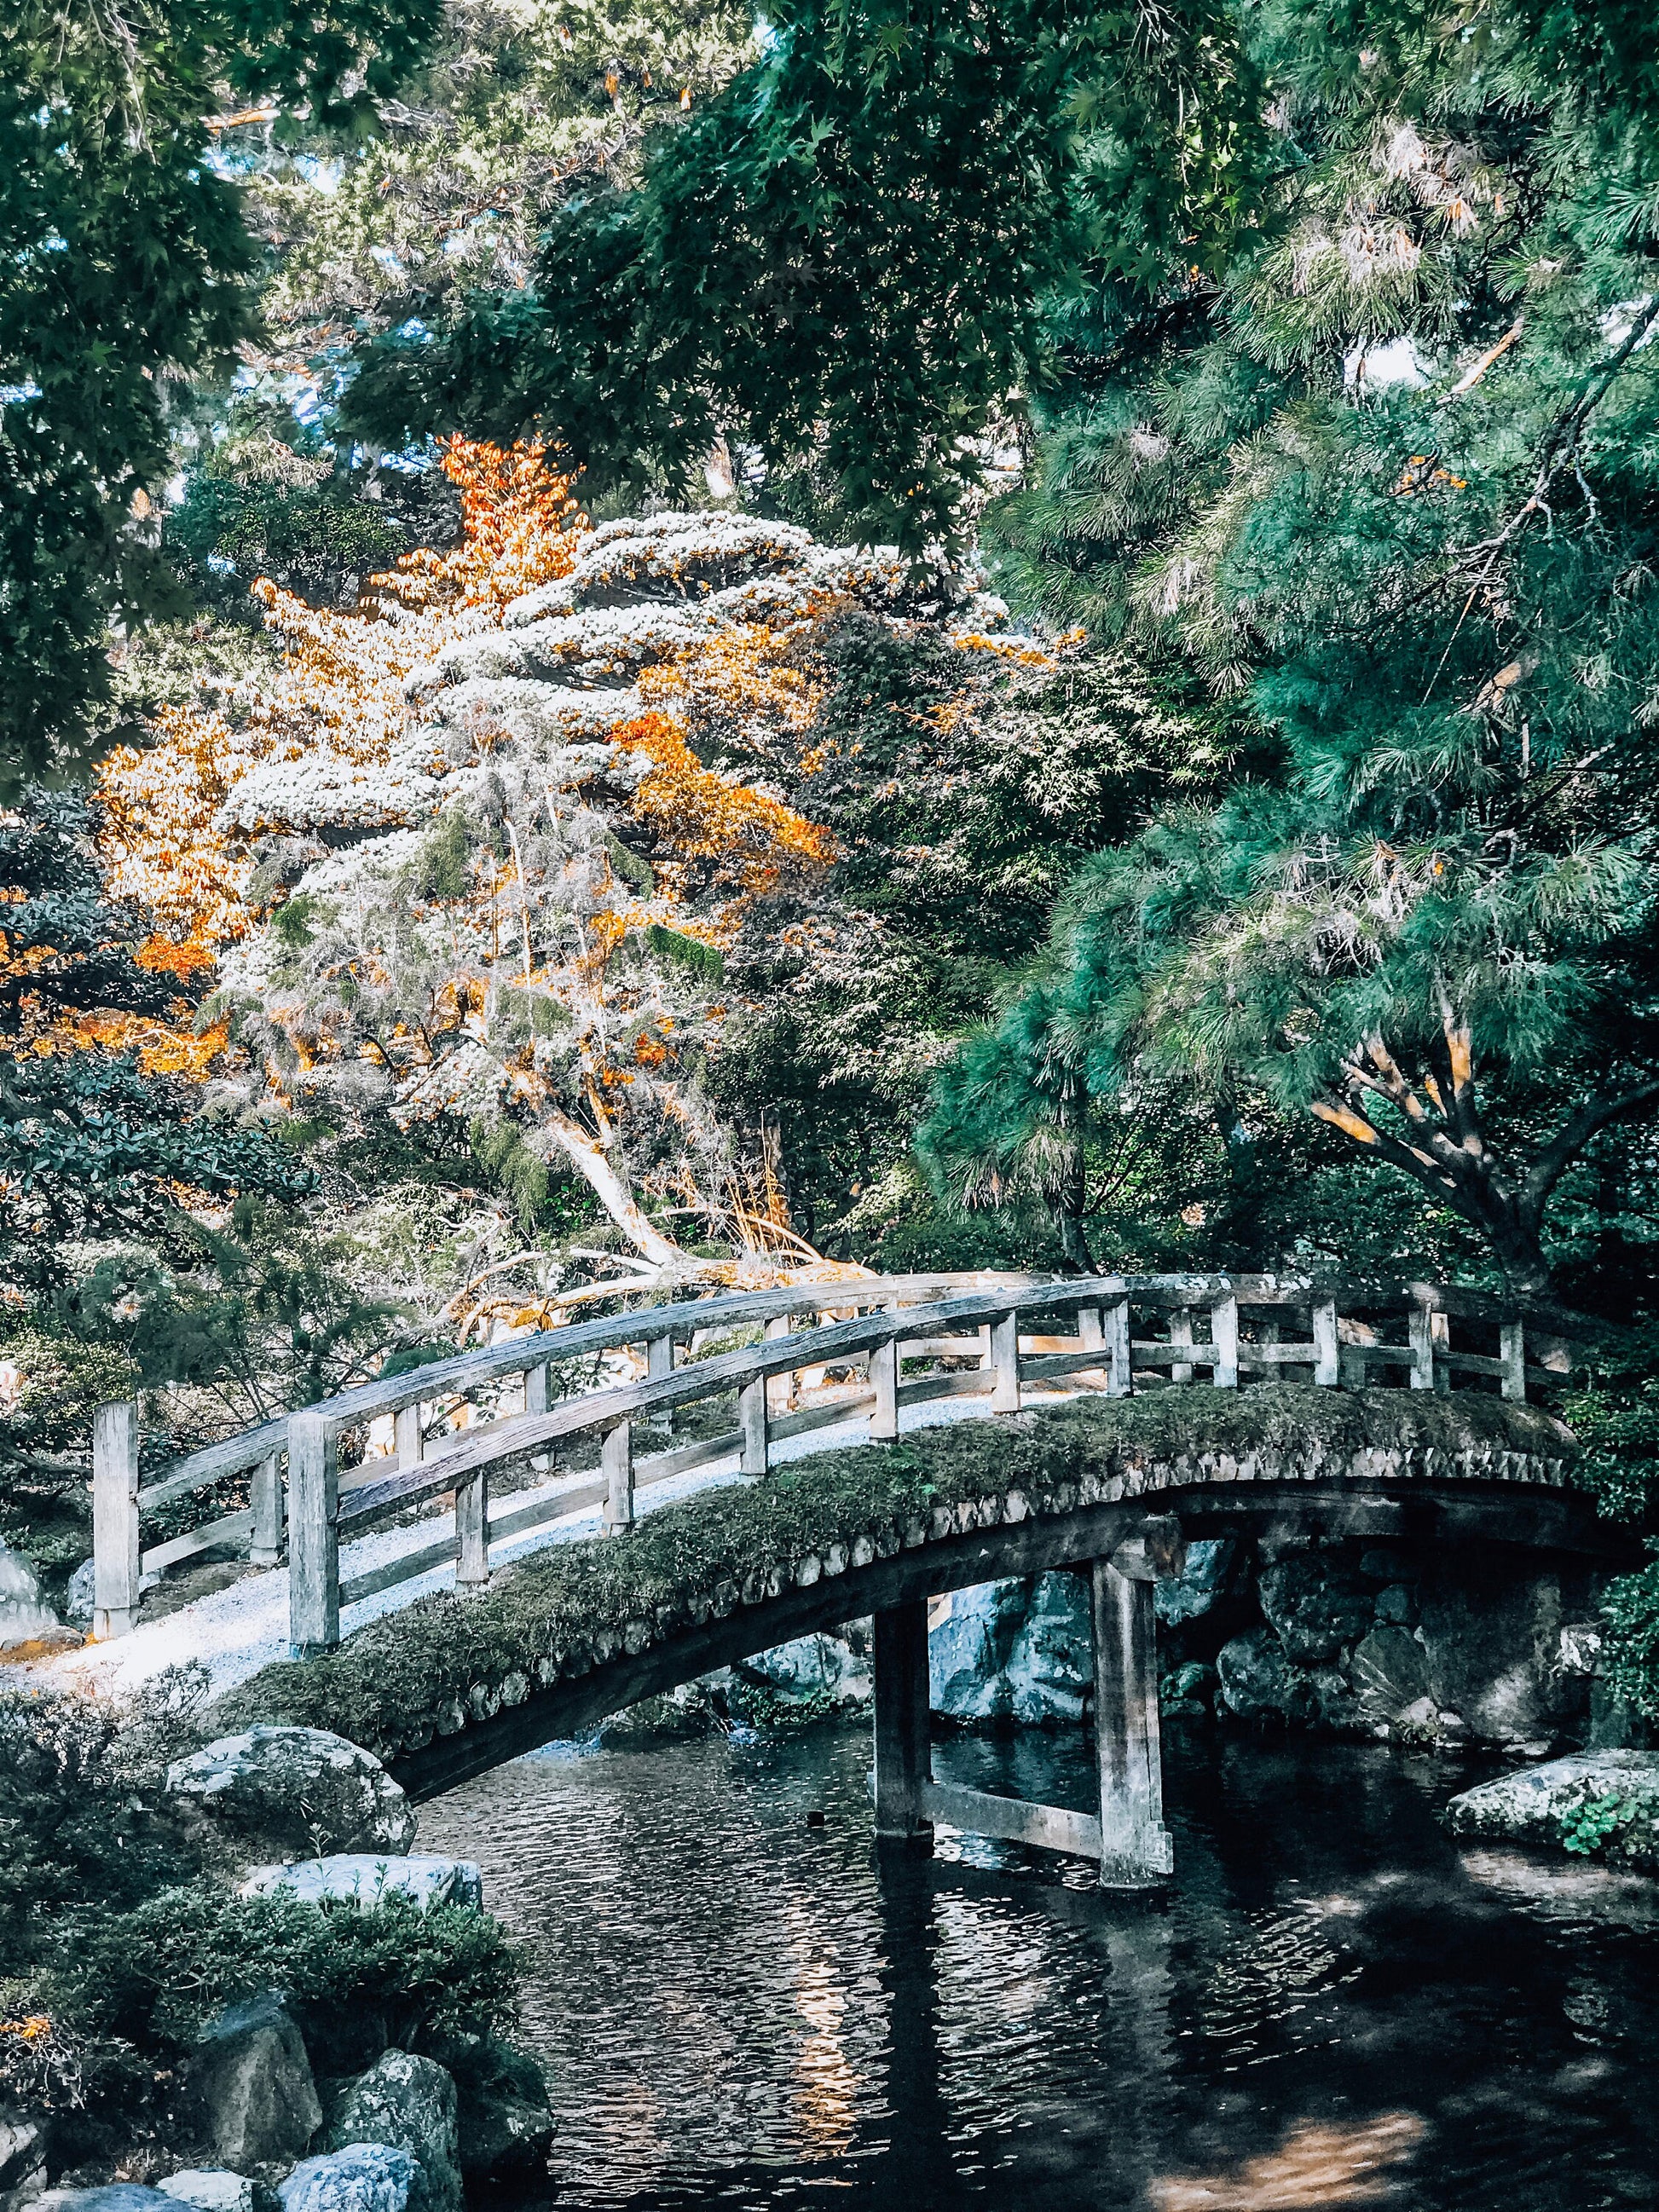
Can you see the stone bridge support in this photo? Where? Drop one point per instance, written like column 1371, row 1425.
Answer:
column 1129, row 1839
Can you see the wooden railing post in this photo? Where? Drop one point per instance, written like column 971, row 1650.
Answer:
column 1327, row 1358
column 885, row 1381
column 751, row 1423
column 659, row 1366
column 537, row 1396
column 265, row 1544
column 115, row 1519
column 1119, row 1373
column 779, row 1389
column 1512, row 1350
column 472, row 1529
column 1421, row 1331
column 617, row 1459
column 1004, row 1364
column 1223, row 1335
column 313, row 1544
column 407, row 1439
column 1180, row 1332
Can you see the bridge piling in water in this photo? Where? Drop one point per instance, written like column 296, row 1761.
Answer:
column 1135, row 1847
column 904, row 1763
column 1128, row 1840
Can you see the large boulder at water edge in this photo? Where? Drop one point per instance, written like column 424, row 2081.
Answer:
column 1313, row 1607
column 362, row 1879
column 970, row 1634
column 408, row 2102
column 1259, row 1683
column 367, row 2176
column 1204, row 1577
column 250, row 2083
column 506, row 2120
column 1391, row 1678
column 1053, row 1660
column 1602, row 1804
column 811, row 1669
column 1492, row 1643
column 292, row 1793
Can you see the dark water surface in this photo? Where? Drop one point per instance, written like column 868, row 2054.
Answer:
column 1332, row 2005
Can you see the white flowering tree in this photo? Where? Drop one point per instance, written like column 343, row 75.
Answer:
column 480, row 870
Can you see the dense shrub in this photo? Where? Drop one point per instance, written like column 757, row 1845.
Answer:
column 121, row 1932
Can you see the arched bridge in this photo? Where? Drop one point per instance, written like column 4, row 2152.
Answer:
column 1110, row 1482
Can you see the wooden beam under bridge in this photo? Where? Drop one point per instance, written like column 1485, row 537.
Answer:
column 1128, row 1837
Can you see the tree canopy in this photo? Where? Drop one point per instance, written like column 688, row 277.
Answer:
column 127, row 270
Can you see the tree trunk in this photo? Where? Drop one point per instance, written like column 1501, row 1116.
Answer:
column 593, row 1165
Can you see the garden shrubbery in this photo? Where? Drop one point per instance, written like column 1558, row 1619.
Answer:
column 122, row 1934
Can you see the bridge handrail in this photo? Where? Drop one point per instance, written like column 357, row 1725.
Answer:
column 322, row 1507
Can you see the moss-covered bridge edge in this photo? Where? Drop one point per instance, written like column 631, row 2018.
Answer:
column 453, row 1684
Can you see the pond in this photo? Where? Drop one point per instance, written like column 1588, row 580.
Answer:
column 1331, row 2006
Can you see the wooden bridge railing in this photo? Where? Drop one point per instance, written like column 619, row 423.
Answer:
column 1229, row 1327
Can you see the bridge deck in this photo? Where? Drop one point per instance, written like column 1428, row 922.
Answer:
column 238, row 1630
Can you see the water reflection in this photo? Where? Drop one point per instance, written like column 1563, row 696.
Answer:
column 742, row 2009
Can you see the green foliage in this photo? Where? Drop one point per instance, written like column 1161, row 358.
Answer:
column 1615, row 1414
column 90, row 1146
column 160, row 1971
column 126, row 267
column 676, row 950
column 1629, row 1648
column 1599, row 1824
column 1389, row 484
column 315, row 539
column 117, row 1933
column 444, row 869
column 848, row 251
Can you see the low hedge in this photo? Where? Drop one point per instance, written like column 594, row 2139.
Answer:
column 393, row 1682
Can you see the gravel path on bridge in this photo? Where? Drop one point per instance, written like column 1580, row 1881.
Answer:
column 238, row 1630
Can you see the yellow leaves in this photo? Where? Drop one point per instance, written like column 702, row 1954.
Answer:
column 742, row 672
column 1423, row 472
column 705, row 818
column 1023, row 652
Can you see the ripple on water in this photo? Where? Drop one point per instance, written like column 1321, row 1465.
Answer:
column 741, row 2009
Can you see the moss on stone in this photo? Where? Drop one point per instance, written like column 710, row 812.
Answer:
column 392, row 1682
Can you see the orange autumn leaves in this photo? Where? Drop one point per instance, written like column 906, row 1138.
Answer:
column 338, row 688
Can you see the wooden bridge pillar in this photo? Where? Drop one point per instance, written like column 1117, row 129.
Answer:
column 115, row 1519
column 1136, row 1851
column 904, row 1761
column 313, row 1534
